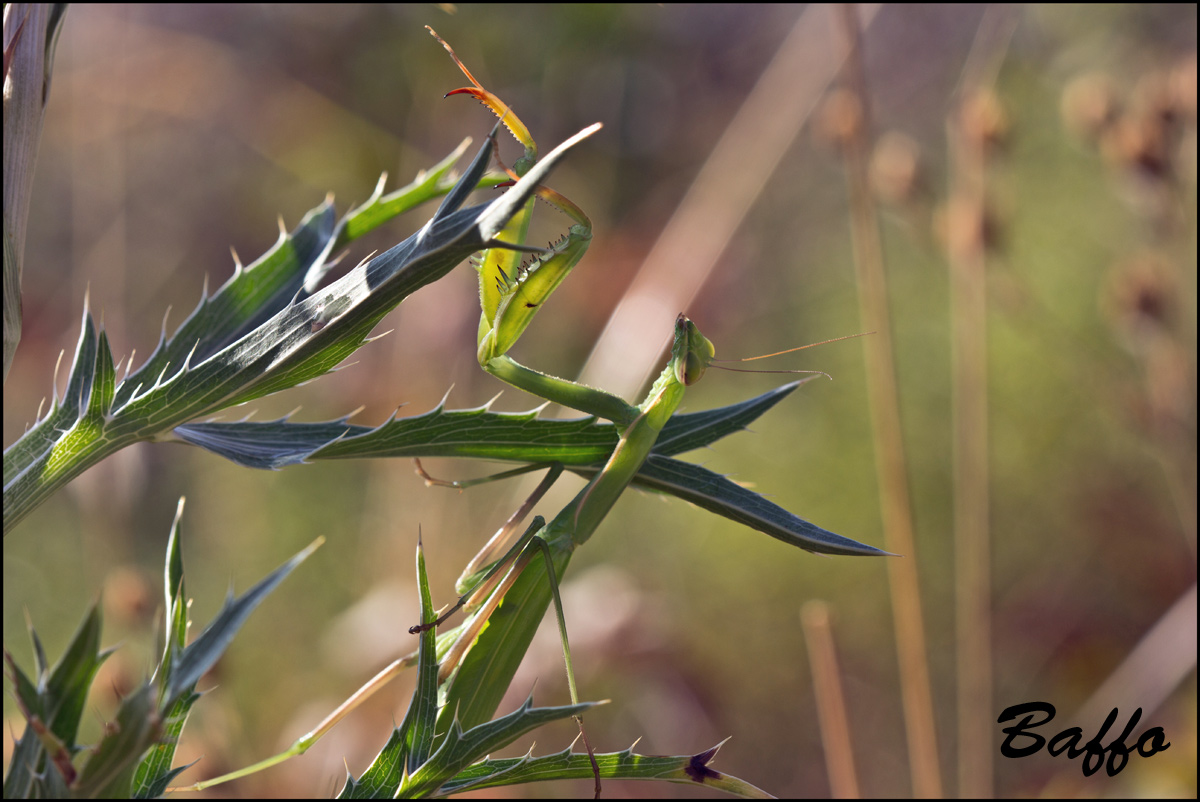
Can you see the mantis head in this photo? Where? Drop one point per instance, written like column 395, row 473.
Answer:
column 692, row 354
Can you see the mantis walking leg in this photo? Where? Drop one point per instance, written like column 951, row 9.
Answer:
column 483, row 589
column 476, row 581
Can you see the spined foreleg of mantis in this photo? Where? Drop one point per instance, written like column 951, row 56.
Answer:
column 511, row 292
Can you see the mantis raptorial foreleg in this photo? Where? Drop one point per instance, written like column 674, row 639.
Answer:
column 511, row 292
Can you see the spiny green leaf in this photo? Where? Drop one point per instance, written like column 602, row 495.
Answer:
column 718, row 494
column 692, row 430
column 626, row 765
column 422, row 712
column 459, row 749
column 382, row 777
column 291, row 268
column 208, row 647
column 109, row 768
column 252, row 342
column 56, row 698
column 380, row 208
column 63, row 411
column 410, row 744
column 478, row 433
column 154, row 773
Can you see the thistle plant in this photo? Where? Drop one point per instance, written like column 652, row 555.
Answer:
column 277, row 323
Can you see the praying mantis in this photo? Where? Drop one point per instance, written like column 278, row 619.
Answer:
column 505, row 597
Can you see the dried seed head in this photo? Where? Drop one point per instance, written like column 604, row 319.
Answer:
column 1148, row 137
column 1138, row 144
column 984, row 120
column 1141, row 296
column 965, row 227
column 1141, row 303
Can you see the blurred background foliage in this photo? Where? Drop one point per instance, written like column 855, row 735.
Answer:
column 175, row 132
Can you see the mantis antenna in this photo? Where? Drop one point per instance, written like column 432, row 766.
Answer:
column 780, row 353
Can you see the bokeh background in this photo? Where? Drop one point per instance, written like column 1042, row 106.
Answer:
column 176, row 132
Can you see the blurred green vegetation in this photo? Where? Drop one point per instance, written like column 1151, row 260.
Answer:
column 174, row 132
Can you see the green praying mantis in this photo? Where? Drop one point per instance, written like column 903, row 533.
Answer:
column 506, row 589
column 510, row 594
